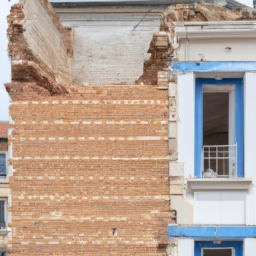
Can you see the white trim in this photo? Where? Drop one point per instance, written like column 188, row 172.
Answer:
column 186, row 121
column 249, row 246
column 250, row 143
column 216, row 31
column 220, row 183
column 186, row 247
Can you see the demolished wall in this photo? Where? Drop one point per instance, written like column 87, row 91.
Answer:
column 164, row 46
column 40, row 47
column 90, row 164
column 109, row 47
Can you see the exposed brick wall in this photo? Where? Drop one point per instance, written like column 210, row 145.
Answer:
column 40, row 48
column 91, row 175
column 4, row 129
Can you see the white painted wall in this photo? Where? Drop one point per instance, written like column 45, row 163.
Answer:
column 106, row 48
column 186, row 247
column 199, row 48
column 249, row 246
column 250, row 142
column 186, row 121
column 219, row 207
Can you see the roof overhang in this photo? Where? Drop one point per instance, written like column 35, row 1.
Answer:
column 132, row 2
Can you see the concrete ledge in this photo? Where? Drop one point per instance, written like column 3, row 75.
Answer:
column 211, row 232
column 220, row 183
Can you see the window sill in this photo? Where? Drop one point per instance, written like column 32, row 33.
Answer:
column 220, row 183
column 4, row 232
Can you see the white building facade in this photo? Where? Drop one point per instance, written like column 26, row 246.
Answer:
column 216, row 87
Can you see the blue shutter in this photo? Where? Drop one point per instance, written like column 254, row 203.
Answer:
column 239, row 123
column 198, row 144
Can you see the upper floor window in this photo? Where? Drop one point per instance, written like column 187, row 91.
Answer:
column 3, row 164
column 219, row 128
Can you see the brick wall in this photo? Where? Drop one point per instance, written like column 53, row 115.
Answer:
column 90, row 172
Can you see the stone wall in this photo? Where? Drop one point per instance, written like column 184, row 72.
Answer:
column 90, row 171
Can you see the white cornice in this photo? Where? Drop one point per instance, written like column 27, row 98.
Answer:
column 220, row 183
column 217, row 31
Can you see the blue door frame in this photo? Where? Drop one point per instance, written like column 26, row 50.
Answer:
column 237, row 245
column 239, row 121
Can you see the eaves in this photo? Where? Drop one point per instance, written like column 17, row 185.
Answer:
column 79, row 3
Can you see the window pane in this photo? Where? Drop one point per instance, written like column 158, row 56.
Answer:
column 2, row 164
column 217, row 252
column 2, row 214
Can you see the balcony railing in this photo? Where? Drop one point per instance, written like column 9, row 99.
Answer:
column 219, row 161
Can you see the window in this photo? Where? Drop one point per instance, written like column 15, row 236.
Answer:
column 3, row 166
column 3, row 208
column 218, row 248
column 218, row 252
column 219, row 149
column 3, row 253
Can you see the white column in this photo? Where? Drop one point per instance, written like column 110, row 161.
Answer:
column 249, row 246
column 186, row 247
column 250, row 142
column 186, row 121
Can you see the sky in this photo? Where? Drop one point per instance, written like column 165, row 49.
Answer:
column 5, row 66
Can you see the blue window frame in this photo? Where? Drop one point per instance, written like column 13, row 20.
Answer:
column 239, row 121
column 237, row 245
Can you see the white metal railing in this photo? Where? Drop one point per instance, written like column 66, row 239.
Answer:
column 219, row 161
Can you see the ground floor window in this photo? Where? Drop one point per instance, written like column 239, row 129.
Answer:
column 218, row 252
column 218, row 248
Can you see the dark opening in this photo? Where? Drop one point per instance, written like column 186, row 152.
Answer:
column 215, row 118
column 216, row 133
column 217, row 252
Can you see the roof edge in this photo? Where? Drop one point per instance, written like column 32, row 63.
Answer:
column 79, row 3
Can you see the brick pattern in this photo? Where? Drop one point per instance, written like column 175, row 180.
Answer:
column 74, row 195
column 4, row 129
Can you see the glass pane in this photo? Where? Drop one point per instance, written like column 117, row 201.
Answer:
column 217, row 252
column 2, row 164
column 2, row 215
